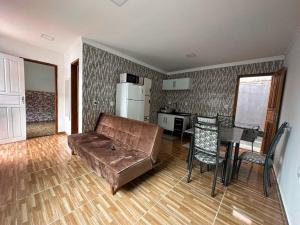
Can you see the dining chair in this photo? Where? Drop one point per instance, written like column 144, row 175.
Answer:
column 250, row 135
column 205, row 146
column 264, row 160
column 225, row 121
column 190, row 129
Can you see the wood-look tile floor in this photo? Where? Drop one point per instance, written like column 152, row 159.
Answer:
column 41, row 184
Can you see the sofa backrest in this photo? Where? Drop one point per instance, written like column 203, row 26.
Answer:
column 135, row 134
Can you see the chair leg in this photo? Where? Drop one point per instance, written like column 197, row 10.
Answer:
column 223, row 172
column 201, row 168
column 207, row 167
column 214, row 181
column 190, row 171
column 265, row 180
column 238, row 168
column 270, row 178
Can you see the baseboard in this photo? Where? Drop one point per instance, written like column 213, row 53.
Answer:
column 62, row 132
column 281, row 199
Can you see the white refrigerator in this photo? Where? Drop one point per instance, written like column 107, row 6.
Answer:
column 130, row 101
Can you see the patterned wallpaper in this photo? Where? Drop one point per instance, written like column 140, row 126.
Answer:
column 213, row 90
column 100, row 75
column 40, row 106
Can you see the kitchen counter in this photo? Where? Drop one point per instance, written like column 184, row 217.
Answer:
column 177, row 113
column 175, row 121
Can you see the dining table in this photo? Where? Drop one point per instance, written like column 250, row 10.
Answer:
column 231, row 137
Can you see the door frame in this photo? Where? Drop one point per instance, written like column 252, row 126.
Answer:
column 237, row 92
column 55, row 77
column 74, row 92
column 237, row 87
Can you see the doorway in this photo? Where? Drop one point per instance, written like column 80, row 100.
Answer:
column 74, row 96
column 251, row 107
column 41, row 98
column 257, row 107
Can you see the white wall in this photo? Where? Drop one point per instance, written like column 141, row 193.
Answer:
column 73, row 53
column 287, row 158
column 20, row 49
column 39, row 77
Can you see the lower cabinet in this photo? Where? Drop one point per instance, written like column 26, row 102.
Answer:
column 167, row 121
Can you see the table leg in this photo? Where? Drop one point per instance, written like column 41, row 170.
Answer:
column 228, row 166
column 235, row 160
column 189, row 157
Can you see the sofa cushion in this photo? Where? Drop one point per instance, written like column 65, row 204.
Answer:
column 75, row 140
column 117, row 166
column 134, row 134
column 116, row 156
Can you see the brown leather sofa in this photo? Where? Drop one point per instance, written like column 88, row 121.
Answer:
column 119, row 149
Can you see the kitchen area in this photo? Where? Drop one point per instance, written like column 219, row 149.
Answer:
column 133, row 100
column 170, row 119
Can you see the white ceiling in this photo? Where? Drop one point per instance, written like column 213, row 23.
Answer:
column 159, row 32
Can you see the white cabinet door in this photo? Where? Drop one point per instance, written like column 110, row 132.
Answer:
column 177, row 84
column 12, row 99
column 170, row 122
column 166, row 121
column 167, row 84
column 162, row 122
column 183, row 84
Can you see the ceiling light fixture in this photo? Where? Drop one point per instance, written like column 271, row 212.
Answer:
column 191, row 55
column 119, row 2
column 47, row 37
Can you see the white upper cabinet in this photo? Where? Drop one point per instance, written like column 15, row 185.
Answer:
column 177, row 84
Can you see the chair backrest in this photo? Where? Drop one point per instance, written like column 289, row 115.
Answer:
column 275, row 140
column 205, row 119
column 206, row 136
column 250, row 134
column 226, row 121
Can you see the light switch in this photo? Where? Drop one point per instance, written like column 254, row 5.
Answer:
column 298, row 173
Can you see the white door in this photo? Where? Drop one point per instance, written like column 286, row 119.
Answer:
column 147, row 106
column 12, row 99
column 135, row 110
column 147, row 86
